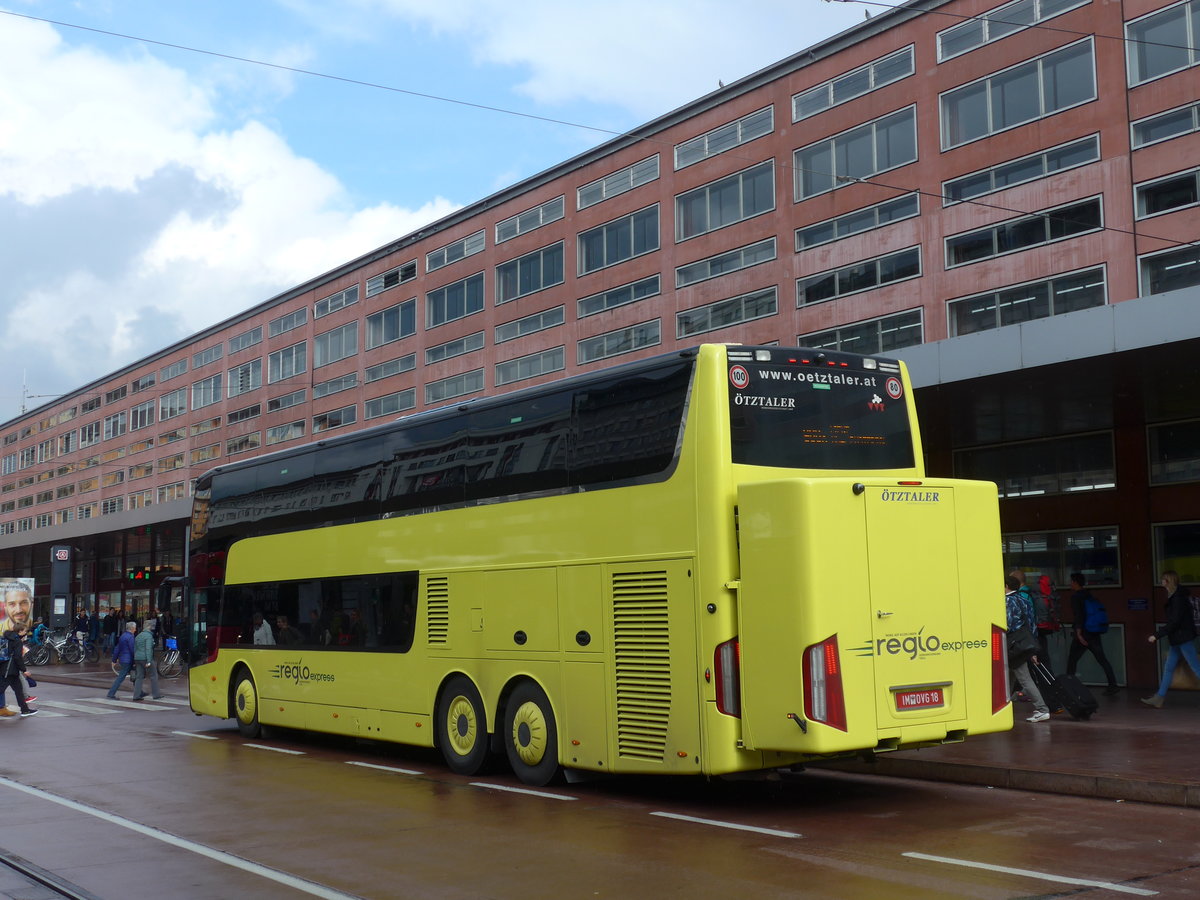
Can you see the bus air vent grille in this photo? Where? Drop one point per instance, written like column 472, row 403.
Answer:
column 437, row 608
column 641, row 641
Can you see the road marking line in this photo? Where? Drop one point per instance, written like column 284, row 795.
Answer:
column 275, row 749
column 202, row 737
column 176, row 700
column 90, row 710
column 1028, row 873
column 292, row 881
column 124, row 704
column 516, row 790
column 367, row 765
column 771, row 831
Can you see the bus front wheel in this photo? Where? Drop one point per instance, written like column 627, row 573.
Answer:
column 462, row 726
column 531, row 735
column 245, row 706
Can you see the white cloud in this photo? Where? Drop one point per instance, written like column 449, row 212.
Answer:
column 139, row 221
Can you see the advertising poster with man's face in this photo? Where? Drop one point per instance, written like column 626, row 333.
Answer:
column 16, row 594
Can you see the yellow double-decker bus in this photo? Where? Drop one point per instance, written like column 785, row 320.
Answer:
column 713, row 561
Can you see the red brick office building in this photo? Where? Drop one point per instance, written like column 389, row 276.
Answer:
column 1003, row 195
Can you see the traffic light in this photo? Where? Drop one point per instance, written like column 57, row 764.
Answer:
column 138, row 574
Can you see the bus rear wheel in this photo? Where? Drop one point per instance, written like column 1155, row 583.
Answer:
column 462, row 726
column 531, row 735
column 245, row 706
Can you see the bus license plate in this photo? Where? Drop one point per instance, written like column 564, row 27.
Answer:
column 926, row 698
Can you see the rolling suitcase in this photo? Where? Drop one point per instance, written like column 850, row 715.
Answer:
column 1064, row 692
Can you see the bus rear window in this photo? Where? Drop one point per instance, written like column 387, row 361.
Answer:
column 817, row 418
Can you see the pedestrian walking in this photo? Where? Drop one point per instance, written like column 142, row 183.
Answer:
column 13, row 664
column 123, row 657
column 1180, row 632
column 1022, row 646
column 1091, row 621
column 143, row 658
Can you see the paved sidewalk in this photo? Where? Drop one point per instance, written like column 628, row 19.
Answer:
column 1126, row 751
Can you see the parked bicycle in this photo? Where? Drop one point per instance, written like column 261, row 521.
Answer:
column 170, row 664
column 52, row 644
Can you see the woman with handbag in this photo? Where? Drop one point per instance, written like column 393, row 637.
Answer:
column 1022, row 647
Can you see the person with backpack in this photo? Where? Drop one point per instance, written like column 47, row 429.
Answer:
column 12, row 665
column 1090, row 623
column 1180, row 631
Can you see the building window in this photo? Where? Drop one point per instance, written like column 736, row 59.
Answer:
column 1094, row 551
column 243, row 443
column 457, row 347
column 530, row 366
column 531, row 219
column 295, row 398
column 619, row 240
column 170, row 437
column 862, row 276
column 112, row 478
column 882, row 335
column 206, row 392
column 141, row 415
column 1177, row 547
column 141, row 499
column 113, row 396
column 866, row 219
column 205, row 454
column 45, row 451
column 1026, row 302
column 112, row 505
column 114, row 425
column 144, row 383
column 724, row 263
column 143, row 470
column 623, row 340
column 44, row 520
column 454, row 301
column 169, row 463
column 1168, row 194
column 170, row 492
column 246, row 339
column 241, row 415
column 392, row 367
column 65, row 516
column 856, row 83
column 335, row 345
column 347, row 415
column 245, row 378
column 85, row 407
column 335, row 385
column 287, row 322
column 391, row 404
column 734, row 134
column 87, row 511
column 454, row 386
column 62, row 493
column 626, row 179
column 1163, row 42
column 204, row 357
column 1024, row 233
column 550, row 318
column 1023, row 93
column 999, row 23
column 89, row 434
column 172, row 404
column 281, row 433
column 724, row 313
column 335, row 302
column 392, row 324
column 377, row 284
column 619, row 296
column 727, row 201
column 1066, row 464
column 67, row 443
column 530, row 273
column 174, row 370
column 1175, row 452
column 1169, row 271
column 452, row 253
column 1167, row 125
column 1020, row 171
column 287, row 363
column 862, row 152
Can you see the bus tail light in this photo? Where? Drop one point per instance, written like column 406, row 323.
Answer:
column 727, row 662
column 824, row 696
column 1000, row 682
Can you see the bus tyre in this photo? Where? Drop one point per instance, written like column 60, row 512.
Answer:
column 531, row 735
column 462, row 726
column 245, row 706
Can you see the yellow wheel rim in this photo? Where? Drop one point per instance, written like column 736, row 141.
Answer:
column 246, row 702
column 530, row 733
column 462, row 727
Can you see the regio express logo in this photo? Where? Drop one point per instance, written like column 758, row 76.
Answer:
column 916, row 644
column 298, row 673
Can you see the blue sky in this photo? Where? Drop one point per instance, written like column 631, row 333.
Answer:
column 147, row 192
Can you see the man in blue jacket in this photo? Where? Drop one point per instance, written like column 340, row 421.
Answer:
column 123, row 655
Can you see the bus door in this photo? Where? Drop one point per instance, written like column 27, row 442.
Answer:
column 915, row 590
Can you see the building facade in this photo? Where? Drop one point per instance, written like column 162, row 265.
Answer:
column 1007, row 196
